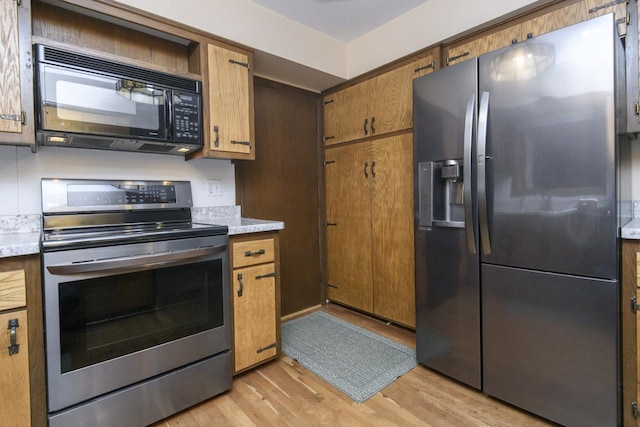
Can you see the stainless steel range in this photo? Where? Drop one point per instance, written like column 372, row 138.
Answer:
column 136, row 297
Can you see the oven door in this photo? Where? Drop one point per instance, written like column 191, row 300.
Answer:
column 118, row 315
column 87, row 103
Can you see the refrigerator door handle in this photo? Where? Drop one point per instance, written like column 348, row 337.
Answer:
column 467, row 173
column 483, row 116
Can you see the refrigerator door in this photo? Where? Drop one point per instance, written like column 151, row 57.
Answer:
column 447, row 264
column 550, row 344
column 550, row 160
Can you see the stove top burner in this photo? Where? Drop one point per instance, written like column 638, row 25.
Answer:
column 113, row 235
column 91, row 213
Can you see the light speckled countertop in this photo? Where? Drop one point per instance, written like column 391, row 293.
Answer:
column 632, row 230
column 20, row 234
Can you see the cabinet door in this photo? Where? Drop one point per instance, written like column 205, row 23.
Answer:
column 230, row 114
column 556, row 19
column 254, row 315
column 392, row 229
column 14, row 368
column 16, row 84
column 393, row 104
column 10, row 107
column 348, row 199
column 345, row 113
column 487, row 43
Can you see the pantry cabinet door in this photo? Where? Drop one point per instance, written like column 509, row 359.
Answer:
column 348, row 204
column 392, row 230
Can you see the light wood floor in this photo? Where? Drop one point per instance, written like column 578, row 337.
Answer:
column 283, row 393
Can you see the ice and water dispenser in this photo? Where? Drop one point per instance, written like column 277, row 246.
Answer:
column 441, row 189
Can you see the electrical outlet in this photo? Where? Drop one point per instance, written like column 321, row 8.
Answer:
column 213, row 187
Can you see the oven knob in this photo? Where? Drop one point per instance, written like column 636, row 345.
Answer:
column 105, row 200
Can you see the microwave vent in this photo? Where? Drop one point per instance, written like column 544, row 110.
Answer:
column 155, row 148
column 53, row 55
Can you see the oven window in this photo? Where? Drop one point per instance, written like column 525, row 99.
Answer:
column 103, row 318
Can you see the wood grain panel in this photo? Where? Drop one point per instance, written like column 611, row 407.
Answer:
column 12, row 289
column 229, row 106
column 393, row 105
column 81, row 31
column 10, row 98
column 630, row 329
column 556, row 19
column 345, row 113
column 392, row 230
column 252, row 252
column 14, row 380
column 348, row 204
column 254, row 314
column 283, row 183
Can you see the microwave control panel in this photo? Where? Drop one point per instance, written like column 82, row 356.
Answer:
column 186, row 117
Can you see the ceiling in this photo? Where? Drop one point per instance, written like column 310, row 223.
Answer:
column 344, row 20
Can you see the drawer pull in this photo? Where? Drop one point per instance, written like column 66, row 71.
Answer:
column 249, row 253
column 272, row 345
column 264, row 276
column 14, row 347
column 241, row 284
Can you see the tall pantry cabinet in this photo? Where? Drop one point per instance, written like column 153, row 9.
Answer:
column 369, row 192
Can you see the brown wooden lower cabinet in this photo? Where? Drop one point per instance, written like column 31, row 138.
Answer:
column 22, row 392
column 369, row 198
column 630, row 332
column 255, row 268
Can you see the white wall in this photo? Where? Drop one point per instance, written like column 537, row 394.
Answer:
column 256, row 27
column 259, row 28
column 21, row 171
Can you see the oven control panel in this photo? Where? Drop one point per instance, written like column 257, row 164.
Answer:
column 101, row 195
column 79, row 196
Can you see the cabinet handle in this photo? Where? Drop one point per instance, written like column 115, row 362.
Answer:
column 326, row 138
column 373, row 120
column 14, row 347
column 272, row 345
column 453, row 58
column 247, row 143
column 426, row 67
column 12, row 117
column 242, row 64
column 373, row 169
column 259, row 252
column 216, row 142
column 604, row 6
column 264, row 276
column 366, row 165
column 366, row 122
column 241, row 284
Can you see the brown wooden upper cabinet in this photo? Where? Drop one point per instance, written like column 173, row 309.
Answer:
column 376, row 106
column 534, row 25
column 16, row 84
column 228, row 107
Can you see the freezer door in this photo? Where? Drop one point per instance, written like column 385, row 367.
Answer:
column 447, row 264
column 550, row 160
column 550, row 344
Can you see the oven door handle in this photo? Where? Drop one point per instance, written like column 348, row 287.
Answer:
column 142, row 262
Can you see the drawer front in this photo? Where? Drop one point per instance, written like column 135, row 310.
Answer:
column 12, row 289
column 253, row 252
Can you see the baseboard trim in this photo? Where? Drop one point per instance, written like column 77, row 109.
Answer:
column 300, row 313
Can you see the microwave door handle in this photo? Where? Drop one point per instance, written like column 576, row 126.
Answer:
column 169, row 129
column 138, row 263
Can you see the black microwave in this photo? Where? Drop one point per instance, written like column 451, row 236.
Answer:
column 91, row 102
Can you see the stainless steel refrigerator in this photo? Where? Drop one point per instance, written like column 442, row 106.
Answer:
column 516, row 223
